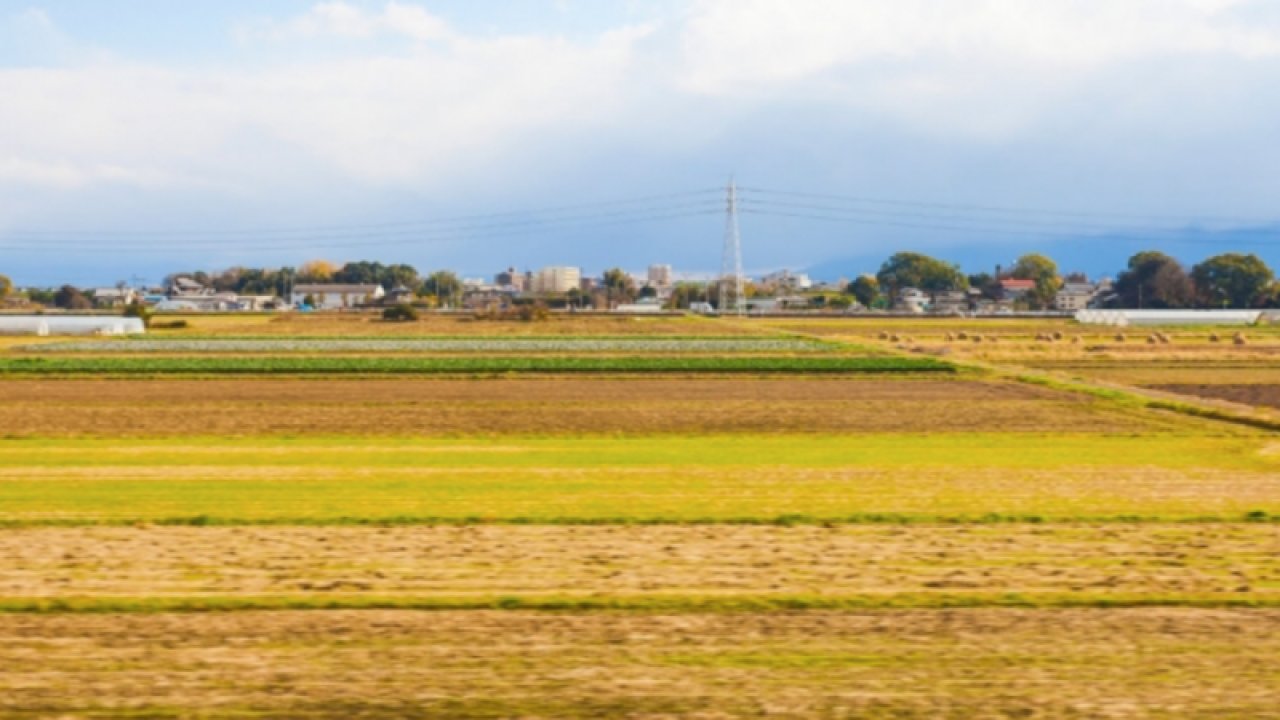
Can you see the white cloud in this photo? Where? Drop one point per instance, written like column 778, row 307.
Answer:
column 743, row 45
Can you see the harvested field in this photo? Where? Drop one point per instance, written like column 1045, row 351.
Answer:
column 1138, row 663
column 1170, row 563
column 1224, row 373
column 174, row 407
column 669, row 478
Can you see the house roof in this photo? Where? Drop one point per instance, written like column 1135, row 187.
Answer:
column 1016, row 284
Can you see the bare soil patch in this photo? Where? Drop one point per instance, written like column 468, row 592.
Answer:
column 901, row 664
column 1262, row 395
column 122, row 407
column 1161, row 560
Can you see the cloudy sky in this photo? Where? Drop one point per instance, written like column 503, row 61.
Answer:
column 138, row 137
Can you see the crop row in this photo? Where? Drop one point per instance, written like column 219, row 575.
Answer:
column 342, row 345
column 416, row 365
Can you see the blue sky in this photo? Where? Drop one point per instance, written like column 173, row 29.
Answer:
column 140, row 138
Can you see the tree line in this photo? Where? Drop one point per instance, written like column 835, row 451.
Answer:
column 1151, row 280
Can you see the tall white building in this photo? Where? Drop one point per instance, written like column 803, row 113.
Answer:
column 660, row 276
column 556, row 279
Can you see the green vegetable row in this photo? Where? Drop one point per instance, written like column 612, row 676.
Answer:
column 417, row 365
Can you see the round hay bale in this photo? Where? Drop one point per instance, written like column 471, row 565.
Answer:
column 950, row 337
column 1057, row 335
column 1152, row 340
column 884, row 336
column 1119, row 337
column 895, row 338
column 963, row 335
column 1214, row 337
column 977, row 338
column 1240, row 340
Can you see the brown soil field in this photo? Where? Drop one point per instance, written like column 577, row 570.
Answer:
column 1142, row 663
column 371, row 324
column 1156, row 560
column 1265, row 395
column 1174, row 373
column 164, row 407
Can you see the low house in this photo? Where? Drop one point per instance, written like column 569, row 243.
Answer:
column 107, row 298
column 1074, row 296
column 950, row 302
column 335, row 297
column 1015, row 289
column 911, row 300
column 642, row 306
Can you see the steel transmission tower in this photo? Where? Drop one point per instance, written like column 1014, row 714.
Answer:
column 732, row 292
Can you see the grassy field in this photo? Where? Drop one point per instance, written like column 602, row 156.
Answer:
column 733, row 478
column 639, row 517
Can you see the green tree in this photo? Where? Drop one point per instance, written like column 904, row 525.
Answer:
column 1232, row 280
column 618, row 286
column 443, row 285
column 1044, row 272
column 6, row 286
column 1154, row 280
column 685, row 294
column 70, row 298
column 865, row 289
column 909, row 269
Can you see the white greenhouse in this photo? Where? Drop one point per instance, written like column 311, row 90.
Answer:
column 44, row 325
column 1126, row 318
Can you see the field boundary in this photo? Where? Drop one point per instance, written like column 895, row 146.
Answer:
column 657, row 603
column 1253, row 517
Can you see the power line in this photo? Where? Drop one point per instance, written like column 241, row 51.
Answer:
column 1077, row 237
column 479, row 218
column 379, row 240
column 971, row 208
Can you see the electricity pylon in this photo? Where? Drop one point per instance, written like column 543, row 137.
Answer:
column 732, row 292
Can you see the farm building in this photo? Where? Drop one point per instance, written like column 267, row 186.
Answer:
column 336, row 297
column 69, row 325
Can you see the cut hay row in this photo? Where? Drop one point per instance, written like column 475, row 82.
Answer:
column 998, row 663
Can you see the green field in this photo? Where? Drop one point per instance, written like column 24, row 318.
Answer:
column 735, row 478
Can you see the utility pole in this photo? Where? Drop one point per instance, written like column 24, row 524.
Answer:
column 732, row 291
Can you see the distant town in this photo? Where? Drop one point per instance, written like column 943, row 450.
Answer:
column 907, row 282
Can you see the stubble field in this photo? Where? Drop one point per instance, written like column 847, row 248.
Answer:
column 1027, row 534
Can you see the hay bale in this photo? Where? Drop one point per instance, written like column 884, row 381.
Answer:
column 1119, row 337
column 1152, row 340
column 1057, row 335
column 1075, row 339
column 1240, row 339
column 963, row 335
column 895, row 338
column 950, row 337
column 884, row 335
column 1214, row 337
column 977, row 338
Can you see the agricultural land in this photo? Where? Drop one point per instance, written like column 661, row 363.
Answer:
column 336, row 516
